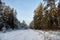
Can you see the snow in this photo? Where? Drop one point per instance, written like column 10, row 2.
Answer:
column 30, row 35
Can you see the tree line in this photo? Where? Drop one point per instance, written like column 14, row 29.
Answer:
column 45, row 17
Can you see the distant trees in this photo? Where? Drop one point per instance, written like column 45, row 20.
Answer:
column 31, row 25
column 24, row 25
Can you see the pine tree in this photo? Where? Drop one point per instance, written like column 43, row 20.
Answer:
column 8, row 16
column 58, row 11
column 50, row 3
column 31, row 25
column 50, row 19
column 45, row 20
column 38, row 16
column 1, row 16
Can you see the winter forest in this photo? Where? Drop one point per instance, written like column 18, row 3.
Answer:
column 44, row 26
column 8, row 19
column 48, row 16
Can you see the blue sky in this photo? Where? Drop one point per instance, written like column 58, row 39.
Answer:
column 25, row 8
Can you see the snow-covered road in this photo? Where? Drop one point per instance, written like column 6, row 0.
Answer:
column 30, row 35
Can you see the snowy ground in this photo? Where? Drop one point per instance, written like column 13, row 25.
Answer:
column 30, row 35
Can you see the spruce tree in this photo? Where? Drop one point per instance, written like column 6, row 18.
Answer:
column 38, row 16
column 58, row 11
column 45, row 20
column 31, row 25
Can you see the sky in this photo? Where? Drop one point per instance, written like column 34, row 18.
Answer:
column 25, row 8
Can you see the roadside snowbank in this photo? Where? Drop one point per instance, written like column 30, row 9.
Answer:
column 30, row 35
